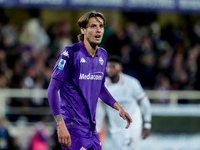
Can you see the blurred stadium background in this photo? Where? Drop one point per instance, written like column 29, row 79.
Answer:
column 159, row 42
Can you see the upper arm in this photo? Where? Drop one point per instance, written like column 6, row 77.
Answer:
column 63, row 65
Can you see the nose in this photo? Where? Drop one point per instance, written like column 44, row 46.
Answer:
column 99, row 29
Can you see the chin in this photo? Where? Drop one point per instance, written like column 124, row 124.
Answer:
column 97, row 43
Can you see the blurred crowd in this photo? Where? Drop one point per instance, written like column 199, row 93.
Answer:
column 159, row 58
column 23, row 136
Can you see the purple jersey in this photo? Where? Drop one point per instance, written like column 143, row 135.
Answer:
column 82, row 76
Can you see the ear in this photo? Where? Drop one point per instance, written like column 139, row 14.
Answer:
column 82, row 30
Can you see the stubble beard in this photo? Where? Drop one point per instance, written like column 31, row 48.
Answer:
column 94, row 44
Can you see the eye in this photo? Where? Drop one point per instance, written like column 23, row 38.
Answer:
column 101, row 26
column 93, row 26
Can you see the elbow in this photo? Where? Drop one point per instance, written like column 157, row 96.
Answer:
column 49, row 91
column 53, row 87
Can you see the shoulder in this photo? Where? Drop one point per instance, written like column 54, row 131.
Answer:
column 102, row 51
column 133, row 83
column 70, row 50
column 131, row 79
column 73, row 48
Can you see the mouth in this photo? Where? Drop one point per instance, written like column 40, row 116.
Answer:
column 98, row 37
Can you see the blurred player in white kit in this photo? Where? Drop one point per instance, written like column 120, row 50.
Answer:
column 130, row 95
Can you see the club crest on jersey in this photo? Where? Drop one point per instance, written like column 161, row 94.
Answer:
column 101, row 61
column 61, row 64
column 82, row 148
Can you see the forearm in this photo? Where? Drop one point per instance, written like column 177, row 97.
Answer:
column 106, row 97
column 123, row 113
column 58, row 118
column 146, row 109
column 117, row 106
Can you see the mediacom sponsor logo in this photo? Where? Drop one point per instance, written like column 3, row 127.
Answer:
column 90, row 77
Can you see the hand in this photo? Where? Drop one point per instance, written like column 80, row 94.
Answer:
column 125, row 116
column 145, row 133
column 63, row 134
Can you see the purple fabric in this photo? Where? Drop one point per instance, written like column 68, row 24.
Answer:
column 106, row 97
column 82, row 76
column 83, row 140
column 53, row 97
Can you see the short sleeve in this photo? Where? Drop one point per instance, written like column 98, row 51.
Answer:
column 63, row 65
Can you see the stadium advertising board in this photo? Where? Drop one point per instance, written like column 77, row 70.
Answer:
column 131, row 5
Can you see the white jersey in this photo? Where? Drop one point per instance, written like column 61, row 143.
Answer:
column 127, row 92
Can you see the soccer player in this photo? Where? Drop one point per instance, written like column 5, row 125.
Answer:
column 79, row 76
column 131, row 96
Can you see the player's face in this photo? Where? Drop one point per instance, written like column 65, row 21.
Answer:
column 94, row 31
column 113, row 69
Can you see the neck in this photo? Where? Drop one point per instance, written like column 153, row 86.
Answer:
column 91, row 48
